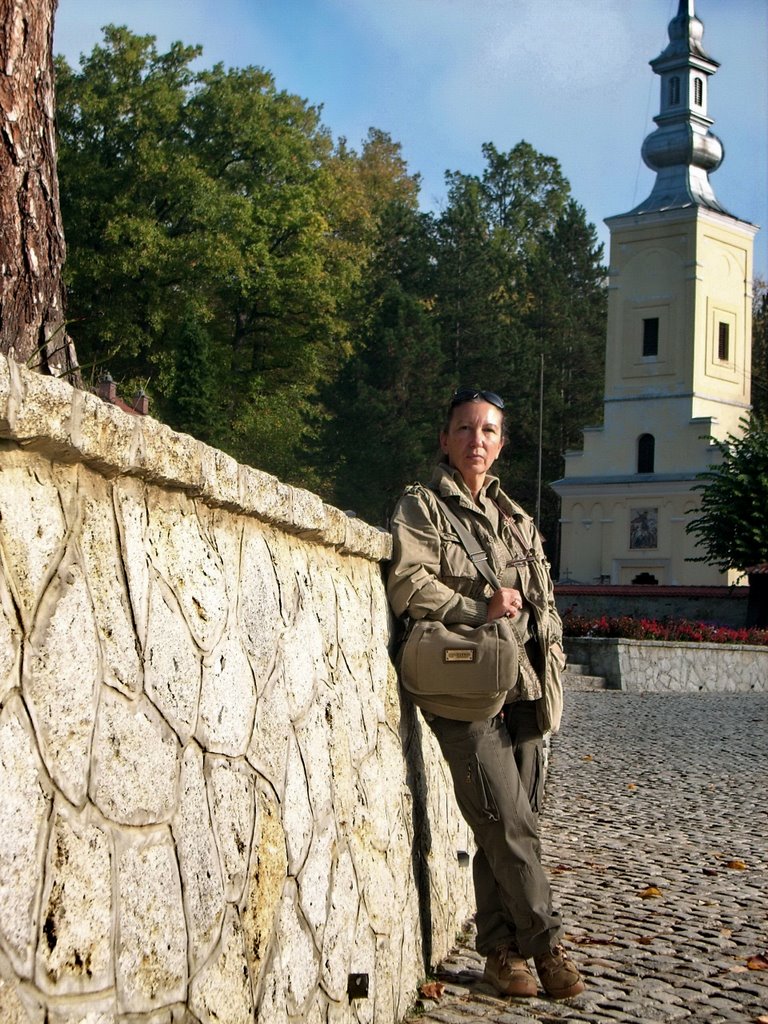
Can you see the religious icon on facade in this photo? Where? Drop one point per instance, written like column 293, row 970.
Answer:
column 643, row 527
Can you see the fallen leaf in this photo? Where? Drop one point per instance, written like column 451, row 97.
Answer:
column 559, row 868
column 595, row 940
column 709, row 871
column 432, row 990
column 646, row 940
column 651, row 893
column 726, row 932
column 762, row 1019
column 631, row 785
column 737, row 865
column 588, row 757
column 759, row 962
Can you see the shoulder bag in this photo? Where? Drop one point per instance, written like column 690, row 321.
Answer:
column 457, row 671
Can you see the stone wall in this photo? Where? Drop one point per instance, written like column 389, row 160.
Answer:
column 214, row 808
column 655, row 666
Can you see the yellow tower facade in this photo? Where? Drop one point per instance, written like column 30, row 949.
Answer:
column 678, row 350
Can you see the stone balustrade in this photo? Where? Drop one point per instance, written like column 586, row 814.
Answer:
column 654, row 666
column 214, row 808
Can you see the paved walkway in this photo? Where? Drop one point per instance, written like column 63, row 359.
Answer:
column 655, row 832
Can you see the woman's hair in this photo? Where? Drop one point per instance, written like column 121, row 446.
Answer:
column 463, row 395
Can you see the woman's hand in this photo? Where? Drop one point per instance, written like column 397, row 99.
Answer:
column 505, row 603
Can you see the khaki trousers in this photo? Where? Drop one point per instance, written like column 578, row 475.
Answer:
column 496, row 769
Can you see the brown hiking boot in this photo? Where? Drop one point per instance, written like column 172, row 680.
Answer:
column 559, row 975
column 509, row 973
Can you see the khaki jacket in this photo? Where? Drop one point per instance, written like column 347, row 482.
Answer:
column 432, row 576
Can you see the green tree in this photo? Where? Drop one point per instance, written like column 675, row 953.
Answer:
column 731, row 525
column 760, row 349
column 565, row 319
column 386, row 404
column 199, row 197
column 520, row 279
column 212, row 198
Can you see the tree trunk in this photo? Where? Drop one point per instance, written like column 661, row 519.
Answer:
column 32, row 250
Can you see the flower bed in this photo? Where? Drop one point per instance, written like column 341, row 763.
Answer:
column 627, row 627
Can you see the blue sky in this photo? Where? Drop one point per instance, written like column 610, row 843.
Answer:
column 443, row 76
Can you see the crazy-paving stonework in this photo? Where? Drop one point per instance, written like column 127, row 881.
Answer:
column 213, row 807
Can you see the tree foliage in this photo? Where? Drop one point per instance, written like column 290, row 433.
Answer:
column 760, row 349
column 731, row 525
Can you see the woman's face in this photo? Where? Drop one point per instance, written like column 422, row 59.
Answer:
column 474, row 438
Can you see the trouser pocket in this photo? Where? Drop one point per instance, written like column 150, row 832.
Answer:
column 485, row 798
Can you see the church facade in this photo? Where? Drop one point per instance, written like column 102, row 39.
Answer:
column 678, row 350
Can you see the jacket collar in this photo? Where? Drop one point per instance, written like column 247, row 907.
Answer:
column 448, row 482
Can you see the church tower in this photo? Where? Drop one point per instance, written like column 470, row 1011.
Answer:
column 678, row 349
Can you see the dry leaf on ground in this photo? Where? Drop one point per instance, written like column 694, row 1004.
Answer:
column 759, row 962
column 432, row 990
column 737, row 865
column 651, row 893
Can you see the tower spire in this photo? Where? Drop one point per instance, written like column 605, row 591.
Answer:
column 682, row 150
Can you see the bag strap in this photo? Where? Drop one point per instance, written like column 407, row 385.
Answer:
column 472, row 545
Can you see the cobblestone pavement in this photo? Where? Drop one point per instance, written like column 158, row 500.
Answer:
column 655, row 834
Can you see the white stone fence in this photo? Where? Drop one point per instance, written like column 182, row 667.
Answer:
column 655, row 666
column 213, row 808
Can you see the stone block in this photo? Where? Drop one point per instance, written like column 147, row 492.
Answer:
column 259, row 604
column 268, row 747
column 135, row 770
column 339, row 933
column 162, row 456
column 172, row 661
column 24, row 812
column 186, row 559
column 308, row 514
column 74, row 949
column 102, row 561
column 314, row 882
column 227, row 699
column 130, row 496
column 298, row 819
column 266, row 879
column 152, row 948
column 221, row 992
column 101, row 434
column 290, row 983
column 198, row 860
column 231, row 797
column 265, row 496
column 37, row 410
column 11, row 635
column 219, row 478
column 32, row 528
column 60, row 678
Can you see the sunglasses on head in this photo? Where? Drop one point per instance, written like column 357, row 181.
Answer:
column 462, row 395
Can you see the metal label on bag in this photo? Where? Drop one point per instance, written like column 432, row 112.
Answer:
column 458, row 654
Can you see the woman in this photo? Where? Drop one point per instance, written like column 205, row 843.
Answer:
column 495, row 763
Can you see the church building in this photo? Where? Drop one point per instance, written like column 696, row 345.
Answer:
column 678, row 349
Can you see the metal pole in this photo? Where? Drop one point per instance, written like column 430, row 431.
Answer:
column 541, row 441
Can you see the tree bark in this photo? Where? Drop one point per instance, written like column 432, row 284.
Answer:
column 32, row 249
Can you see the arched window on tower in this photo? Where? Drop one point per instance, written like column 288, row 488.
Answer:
column 646, row 453
column 698, row 91
column 674, row 91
